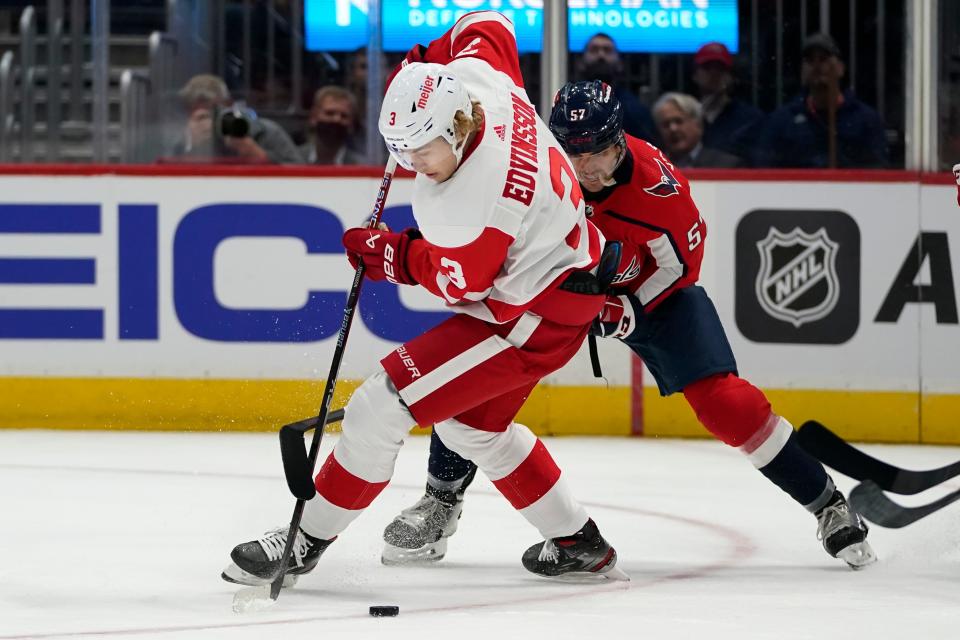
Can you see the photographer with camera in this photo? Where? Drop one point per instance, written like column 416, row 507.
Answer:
column 218, row 128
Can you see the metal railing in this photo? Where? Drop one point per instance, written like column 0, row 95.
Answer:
column 54, row 80
column 134, row 117
column 275, row 23
column 6, row 106
column 163, row 70
column 76, row 59
column 28, row 71
column 100, row 63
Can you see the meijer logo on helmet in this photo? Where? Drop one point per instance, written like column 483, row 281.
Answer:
column 425, row 91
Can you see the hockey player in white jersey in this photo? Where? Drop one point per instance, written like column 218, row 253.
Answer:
column 504, row 241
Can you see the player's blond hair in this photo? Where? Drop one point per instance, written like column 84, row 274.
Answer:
column 463, row 126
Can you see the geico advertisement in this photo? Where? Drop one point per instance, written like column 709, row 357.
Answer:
column 819, row 285
column 202, row 277
column 192, row 276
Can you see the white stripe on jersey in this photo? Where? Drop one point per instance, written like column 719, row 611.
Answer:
column 470, row 359
column 670, row 269
column 474, row 18
column 524, row 328
column 453, row 368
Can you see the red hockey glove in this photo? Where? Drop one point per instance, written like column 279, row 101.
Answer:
column 618, row 318
column 956, row 174
column 383, row 252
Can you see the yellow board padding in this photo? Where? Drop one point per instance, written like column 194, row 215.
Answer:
column 264, row 405
column 941, row 418
column 859, row 416
column 581, row 411
column 160, row 403
column 257, row 405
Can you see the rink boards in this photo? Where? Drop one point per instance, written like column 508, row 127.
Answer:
column 171, row 300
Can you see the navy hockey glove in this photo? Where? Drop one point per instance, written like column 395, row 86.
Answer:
column 618, row 318
column 384, row 253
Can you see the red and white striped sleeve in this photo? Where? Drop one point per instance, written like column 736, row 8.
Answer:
column 484, row 35
column 464, row 273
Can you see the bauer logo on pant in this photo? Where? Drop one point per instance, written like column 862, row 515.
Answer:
column 797, row 281
column 798, row 276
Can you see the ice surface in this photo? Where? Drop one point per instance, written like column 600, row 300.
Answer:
column 124, row 535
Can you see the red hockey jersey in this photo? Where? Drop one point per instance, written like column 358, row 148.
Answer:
column 651, row 211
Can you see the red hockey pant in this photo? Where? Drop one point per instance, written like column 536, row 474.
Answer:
column 469, row 378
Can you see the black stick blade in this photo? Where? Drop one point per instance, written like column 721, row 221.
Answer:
column 873, row 504
column 296, row 463
column 837, row 453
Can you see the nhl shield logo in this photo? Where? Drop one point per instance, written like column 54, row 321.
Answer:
column 797, row 280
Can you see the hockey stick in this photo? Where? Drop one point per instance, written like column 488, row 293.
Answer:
column 296, row 465
column 300, row 480
column 874, row 505
column 835, row 452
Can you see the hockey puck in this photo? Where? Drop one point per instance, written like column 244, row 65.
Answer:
column 385, row 612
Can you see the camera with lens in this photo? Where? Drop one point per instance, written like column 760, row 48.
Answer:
column 234, row 121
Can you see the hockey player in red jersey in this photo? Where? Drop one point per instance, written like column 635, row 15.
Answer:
column 503, row 239
column 636, row 196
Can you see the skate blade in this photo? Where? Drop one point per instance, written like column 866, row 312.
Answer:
column 396, row 556
column 236, row 575
column 858, row 555
column 617, row 574
column 614, row 574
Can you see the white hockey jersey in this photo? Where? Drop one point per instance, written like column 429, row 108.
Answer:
column 509, row 225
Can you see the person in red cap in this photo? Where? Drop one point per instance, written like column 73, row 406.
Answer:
column 729, row 124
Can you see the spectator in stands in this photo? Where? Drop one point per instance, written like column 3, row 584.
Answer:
column 332, row 120
column 679, row 119
column 729, row 124
column 205, row 99
column 355, row 81
column 601, row 61
column 825, row 126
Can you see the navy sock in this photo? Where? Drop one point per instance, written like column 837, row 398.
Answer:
column 447, row 470
column 800, row 475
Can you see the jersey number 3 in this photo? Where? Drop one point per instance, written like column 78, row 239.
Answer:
column 558, row 167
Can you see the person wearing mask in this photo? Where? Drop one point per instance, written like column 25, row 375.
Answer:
column 826, row 126
column 729, row 124
column 332, row 120
column 216, row 128
column 601, row 61
column 679, row 119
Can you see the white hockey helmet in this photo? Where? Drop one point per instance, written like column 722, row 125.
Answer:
column 419, row 106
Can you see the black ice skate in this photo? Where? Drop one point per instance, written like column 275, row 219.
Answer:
column 585, row 553
column 256, row 562
column 419, row 533
column 844, row 533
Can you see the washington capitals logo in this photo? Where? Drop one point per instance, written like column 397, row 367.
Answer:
column 668, row 185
